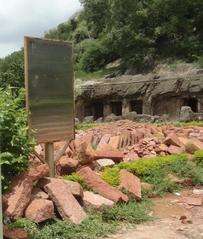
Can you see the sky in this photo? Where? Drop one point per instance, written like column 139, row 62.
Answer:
column 19, row 18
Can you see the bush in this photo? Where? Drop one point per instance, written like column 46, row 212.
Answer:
column 15, row 144
column 75, row 177
column 199, row 157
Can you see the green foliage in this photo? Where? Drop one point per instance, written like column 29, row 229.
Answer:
column 95, row 226
column 191, row 123
column 15, row 145
column 92, row 228
column 75, row 177
column 111, row 175
column 132, row 212
column 86, row 126
column 199, row 157
column 12, row 70
column 156, row 170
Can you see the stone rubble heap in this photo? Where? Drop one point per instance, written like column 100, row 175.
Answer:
column 37, row 197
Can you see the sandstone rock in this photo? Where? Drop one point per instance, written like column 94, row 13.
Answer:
column 14, row 233
column 85, row 154
column 114, row 141
column 39, row 210
column 96, row 201
column 74, row 187
column 172, row 139
column 108, row 152
column 19, row 197
column 38, row 172
column 103, row 163
column 193, row 145
column 163, row 147
column 175, row 150
column 67, row 205
column 194, row 201
column 66, row 166
column 94, row 182
column 104, row 140
column 38, row 193
column 131, row 183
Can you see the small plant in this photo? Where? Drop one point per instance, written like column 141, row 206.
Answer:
column 132, row 212
column 86, row 126
column 191, row 123
column 199, row 157
column 111, row 176
column 75, row 177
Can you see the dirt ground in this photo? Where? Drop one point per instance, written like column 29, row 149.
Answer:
column 167, row 212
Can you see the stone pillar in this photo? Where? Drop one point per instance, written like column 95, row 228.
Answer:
column 107, row 109
column 147, row 107
column 125, row 107
column 200, row 105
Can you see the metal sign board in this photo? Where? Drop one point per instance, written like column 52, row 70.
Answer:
column 49, row 89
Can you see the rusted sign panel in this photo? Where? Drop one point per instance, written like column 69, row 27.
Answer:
column 49, row 89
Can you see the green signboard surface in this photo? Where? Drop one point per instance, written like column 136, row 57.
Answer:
column 49, row 89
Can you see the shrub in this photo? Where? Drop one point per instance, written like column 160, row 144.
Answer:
column 15, row 143
column 75, row 177
column 199, row 156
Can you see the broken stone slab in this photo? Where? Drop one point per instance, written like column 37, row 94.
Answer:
column 96, row 201
column 38, row 172
column 20, row 196
column 66, row 204
column 131, row 183
column 114, row 141
column 14, row 233
column 66, row 166
column 172, row 139
column 74, row 187
column 193, row 145
column 94, row 182
column 104, row 140
column 108, row 152
column 175, row 150
column 38, row 193
column 103, row 163
column 39, row 210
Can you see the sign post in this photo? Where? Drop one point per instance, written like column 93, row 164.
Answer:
column 49, row 92
column 1, row 214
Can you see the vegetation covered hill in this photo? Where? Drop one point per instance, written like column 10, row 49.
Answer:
column 141, row 33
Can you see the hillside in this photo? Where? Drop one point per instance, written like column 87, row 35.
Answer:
column 139, row 34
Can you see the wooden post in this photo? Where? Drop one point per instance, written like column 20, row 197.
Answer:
column 49, row 157
column 1, row 214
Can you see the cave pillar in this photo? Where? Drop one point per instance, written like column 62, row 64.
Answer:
column 125, row 107
column 107, row 109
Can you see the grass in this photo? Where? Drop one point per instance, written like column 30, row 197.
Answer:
column 191, row 123
column 86, row 126
column 85, row 76
column 156, row 170
column 97, row 224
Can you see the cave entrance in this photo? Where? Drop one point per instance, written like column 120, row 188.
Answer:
column 116, row 108
column 136, row 105
column 88, row 110
column 98, row 110
column 192, row 103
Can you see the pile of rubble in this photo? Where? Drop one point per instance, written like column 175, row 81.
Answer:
column 37, row 197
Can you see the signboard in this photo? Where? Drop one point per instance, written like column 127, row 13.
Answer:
column 49, row 89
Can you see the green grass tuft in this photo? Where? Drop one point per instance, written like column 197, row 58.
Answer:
column 75, row 177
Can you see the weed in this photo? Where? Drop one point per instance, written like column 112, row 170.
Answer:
column 75, row 177
column 199, row 157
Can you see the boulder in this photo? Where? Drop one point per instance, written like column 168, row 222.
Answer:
column 74, row 187
column 103, row 163
column 193, row 145
column 39, row 210
column 88, row 120
column 108, row 152
column 114, row 142
column 38, row 172
column 96, row 201
column 14, row 233
column 94, row 182
column 66, row 204
column 20, row 196
column 104, row 140
column 172, row 139
column 38, row 193
column 186, row 114
column 175, row 150
column 66, row 166
column 131, row 183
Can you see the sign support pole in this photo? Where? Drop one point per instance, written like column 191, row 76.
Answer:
column 49, row 157
column 1, row 214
